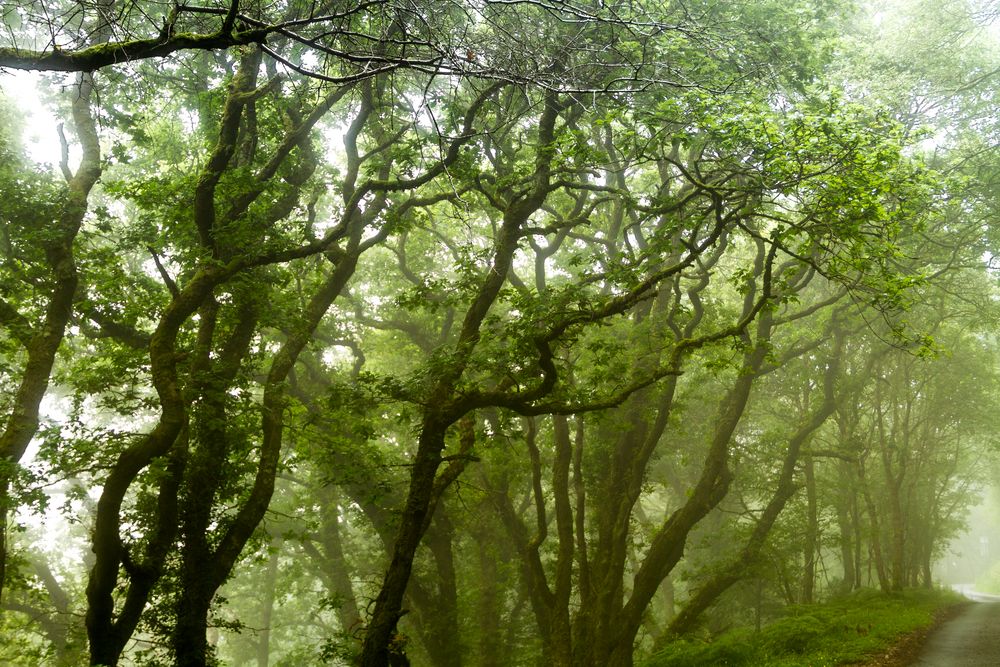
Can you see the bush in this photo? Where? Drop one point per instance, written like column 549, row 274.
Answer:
column 795, row 634
column 734, row 649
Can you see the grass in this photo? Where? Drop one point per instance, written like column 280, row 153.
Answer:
column 847, row 630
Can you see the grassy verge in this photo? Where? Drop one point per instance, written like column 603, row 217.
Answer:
column 848, row 630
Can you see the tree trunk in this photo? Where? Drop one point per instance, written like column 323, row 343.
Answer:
column 898, row 530
column 876, row 544
column 488, row 607
column 267, row 606
column 442, row 633
column 42, row 340
column 336, row 567
column 381, row 646
column 667, row 546
column 739, row 567
column 858, row 540
column 190, row 638
column 809, row 548
column 444, row 408
column 846, row 527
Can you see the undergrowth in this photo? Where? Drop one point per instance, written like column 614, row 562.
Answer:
column 846, row 630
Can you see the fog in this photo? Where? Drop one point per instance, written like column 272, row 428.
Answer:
column 592, row 334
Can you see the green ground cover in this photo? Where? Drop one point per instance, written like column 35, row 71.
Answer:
column 842, row 631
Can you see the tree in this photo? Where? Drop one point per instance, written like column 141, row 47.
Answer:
column 389, row 289
column 40, row 277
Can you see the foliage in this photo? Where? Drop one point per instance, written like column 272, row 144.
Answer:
column 989, row 581
column 363, row 333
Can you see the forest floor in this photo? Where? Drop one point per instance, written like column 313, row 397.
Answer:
column 864, row 629
column 967, row 639
column 908, row 648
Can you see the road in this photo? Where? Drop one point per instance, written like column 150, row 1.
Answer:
column 971, row 639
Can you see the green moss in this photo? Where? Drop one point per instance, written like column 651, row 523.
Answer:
column 845, row 630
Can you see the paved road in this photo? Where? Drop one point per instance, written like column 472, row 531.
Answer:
column 971, row 639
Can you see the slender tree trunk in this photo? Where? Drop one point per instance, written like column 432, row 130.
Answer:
column 748, row 555
column 845, row 526
column 876, row 545
column 858, row 541
column 897, row 524
column 667, row 547
column 926, row 571
column 809, row 548
column 442, row 632
column 336, row 566
column 41, row 340
column 612, row 626
column 488, row 606
column 212, row 379
column 616, row 647
column 267, row 606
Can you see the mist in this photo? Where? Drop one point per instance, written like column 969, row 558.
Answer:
column 590, row 334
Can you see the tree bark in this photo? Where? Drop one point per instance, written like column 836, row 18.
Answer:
column 845, row 526
column 267, row 606
column 41, row 342
column 444, row 408
column 810, row 543
column 614, row 627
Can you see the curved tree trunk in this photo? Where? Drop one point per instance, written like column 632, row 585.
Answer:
column 785, row 490
column 41, row 341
